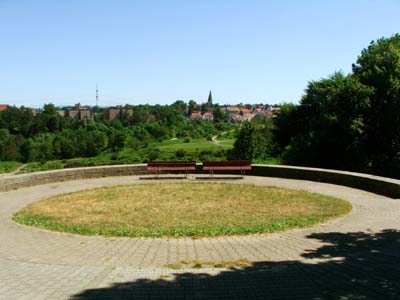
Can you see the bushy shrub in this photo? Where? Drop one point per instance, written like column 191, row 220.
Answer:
column 180, row 153
column 154, row 154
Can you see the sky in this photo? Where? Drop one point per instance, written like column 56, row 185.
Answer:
column 159, row 51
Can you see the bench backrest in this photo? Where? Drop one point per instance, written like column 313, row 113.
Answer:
column 177, row 163
column 227, row 163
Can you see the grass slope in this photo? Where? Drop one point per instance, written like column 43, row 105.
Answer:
column 198, row 150
column 8, row 166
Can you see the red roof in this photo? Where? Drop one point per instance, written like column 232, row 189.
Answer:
column 232, row 108
column 4, row 106
column 236, row 117
column 196, row 115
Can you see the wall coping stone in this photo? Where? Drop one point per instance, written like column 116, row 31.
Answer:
column 376, row 184
column 389, row 187
column 364, row 175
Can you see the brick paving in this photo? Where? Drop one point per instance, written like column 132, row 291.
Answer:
column 353, row 257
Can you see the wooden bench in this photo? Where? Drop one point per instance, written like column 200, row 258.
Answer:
column 157, row 167
column 229, row 165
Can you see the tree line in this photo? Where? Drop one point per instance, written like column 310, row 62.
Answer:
column 48, row 136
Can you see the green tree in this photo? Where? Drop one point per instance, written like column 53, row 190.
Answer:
column 63, row 147
column 16, row 120
column 286, row 125
column 179, row 105
column 244, row 145
column 10, row 146
column 49, row 109
column 39, row 148
column 218, row 115
column 327, row 128
column 378, row 67
column 204, row 107
column 117, row 140
column 192, row 105
column 97, row 142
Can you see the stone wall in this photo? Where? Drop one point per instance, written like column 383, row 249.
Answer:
column 31, row 179
column 379, row 185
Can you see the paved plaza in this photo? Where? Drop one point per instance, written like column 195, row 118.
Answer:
column 353, row 257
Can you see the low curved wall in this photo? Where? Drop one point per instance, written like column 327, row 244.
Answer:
column 375, row 184
column 379, row 185
column 30, row 179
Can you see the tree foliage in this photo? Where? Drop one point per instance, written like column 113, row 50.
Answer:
column 350, row 121
column 254, row 140
column 378, row 67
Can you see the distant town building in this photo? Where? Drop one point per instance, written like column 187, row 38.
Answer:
column 231, row 110
column 247, row 116
column 72, row 113
column 259, row 111
column 271, row 110
column 85, row 114
column 78, row 112
column 4, row 106
column 245, row 110
column 34, row 111
column 208, row 116
column 118, row 112
column 239, row 113
column 196, row 116
column 236, row 118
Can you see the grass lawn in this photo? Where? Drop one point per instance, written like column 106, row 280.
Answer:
column 227, row 143
column 181, row 209
column 194, row 145
column 8, row 166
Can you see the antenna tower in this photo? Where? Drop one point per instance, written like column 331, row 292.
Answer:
column 97, row 96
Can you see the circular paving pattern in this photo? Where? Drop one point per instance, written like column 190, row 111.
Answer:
column 357, row 254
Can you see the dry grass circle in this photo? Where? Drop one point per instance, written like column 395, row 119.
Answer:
column 181, row 209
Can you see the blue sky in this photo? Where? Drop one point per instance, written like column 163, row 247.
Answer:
column 158, row 51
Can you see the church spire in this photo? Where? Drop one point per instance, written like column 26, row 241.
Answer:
column 210, row 100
